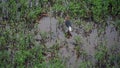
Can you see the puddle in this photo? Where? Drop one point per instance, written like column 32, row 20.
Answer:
column 67, row 52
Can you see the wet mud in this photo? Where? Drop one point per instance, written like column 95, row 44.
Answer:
column 79, row 46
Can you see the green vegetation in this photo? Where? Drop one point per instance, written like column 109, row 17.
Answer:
column 87, row 26
column 85, row 64
column 97, row 10
column 19, row 49
column 117, row 24
column 108, row 58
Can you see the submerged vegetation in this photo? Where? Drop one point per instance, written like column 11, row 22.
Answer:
column 19, row 48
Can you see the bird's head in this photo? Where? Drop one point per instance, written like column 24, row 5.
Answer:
column 67, row 17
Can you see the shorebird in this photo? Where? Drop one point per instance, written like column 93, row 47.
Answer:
column 68, row 25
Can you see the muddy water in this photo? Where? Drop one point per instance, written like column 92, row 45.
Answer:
column 67, row 52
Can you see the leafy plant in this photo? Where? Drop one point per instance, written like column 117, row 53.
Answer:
column 78, row 40
column 87, row 26
column 85, row 64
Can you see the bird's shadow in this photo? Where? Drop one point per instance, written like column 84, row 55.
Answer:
column 68, row 34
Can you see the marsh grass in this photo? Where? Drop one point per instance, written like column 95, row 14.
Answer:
column 104, row 57
column 18, row 48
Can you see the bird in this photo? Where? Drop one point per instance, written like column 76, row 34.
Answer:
column 68, row 25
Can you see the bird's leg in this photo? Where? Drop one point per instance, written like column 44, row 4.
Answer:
column 69, row 34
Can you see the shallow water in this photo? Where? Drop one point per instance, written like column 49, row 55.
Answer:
column 68, row 53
